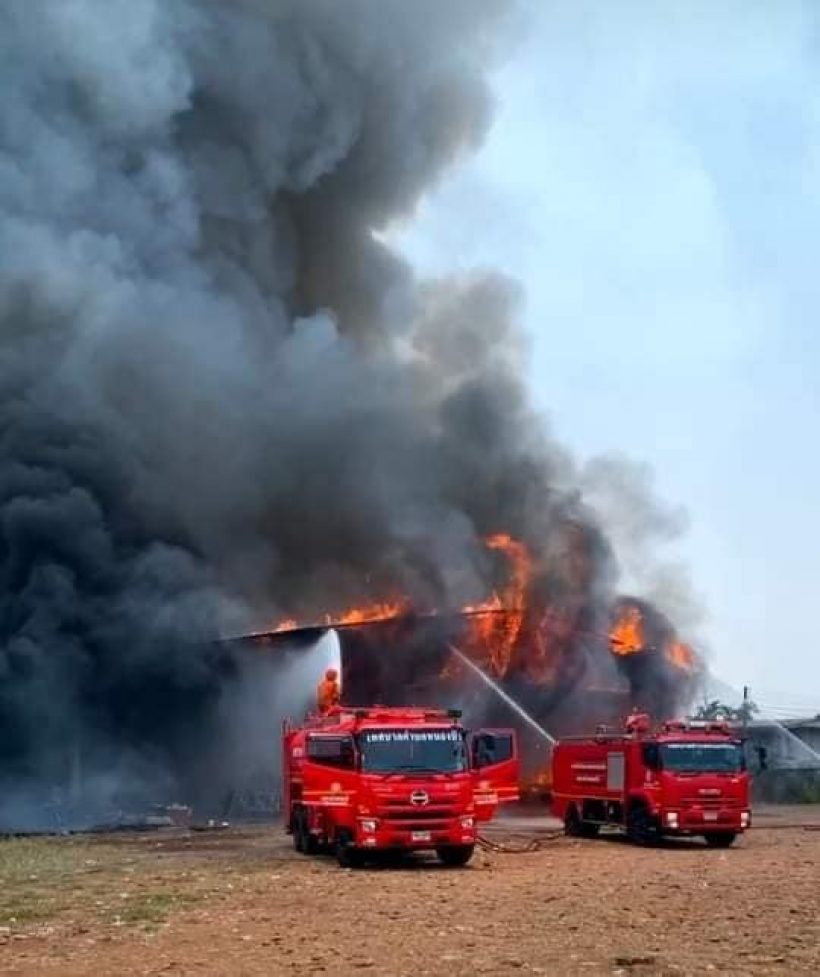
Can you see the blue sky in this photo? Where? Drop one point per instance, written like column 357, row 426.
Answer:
column 653, row 180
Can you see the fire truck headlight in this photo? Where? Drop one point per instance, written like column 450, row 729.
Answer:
column 468, row 821
column 671, row 818
column 367, row 824
column 745, row 819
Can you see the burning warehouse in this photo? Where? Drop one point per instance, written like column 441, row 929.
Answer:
column 534, row 667
column 226, row 400
column 510, row 661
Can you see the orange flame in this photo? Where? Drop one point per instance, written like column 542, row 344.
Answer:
column 495, row 625
column 539, row 783
column 366, row 614
column 493, row 635
column 626, row 636
column 505, row 630
column 370, row 613
column 681, row 655
column 287, row 624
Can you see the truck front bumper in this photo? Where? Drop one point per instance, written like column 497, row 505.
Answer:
column 696, row 820
column 376, row 834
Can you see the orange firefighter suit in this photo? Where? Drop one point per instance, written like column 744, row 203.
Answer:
column 327, row 693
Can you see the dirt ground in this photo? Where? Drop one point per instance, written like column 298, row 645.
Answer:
column 240, row 902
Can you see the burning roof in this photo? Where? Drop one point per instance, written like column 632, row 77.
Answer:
column 523, row 635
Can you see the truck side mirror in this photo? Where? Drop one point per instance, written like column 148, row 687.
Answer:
column 489, row 749
column 651, row 756
column 483, row 750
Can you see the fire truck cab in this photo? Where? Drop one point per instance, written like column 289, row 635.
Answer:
column 360, row 781
column 685, row 778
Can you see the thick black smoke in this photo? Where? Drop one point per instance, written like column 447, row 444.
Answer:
column 222, row 398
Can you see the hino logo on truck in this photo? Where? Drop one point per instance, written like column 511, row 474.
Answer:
column 419, row 798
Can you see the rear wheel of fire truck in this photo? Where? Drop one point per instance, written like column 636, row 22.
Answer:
column 639, row 826
column 296, row 831
column 576, row 827
column 346, row 855
column 455, row 856
column 720, row 839
column 303, row 840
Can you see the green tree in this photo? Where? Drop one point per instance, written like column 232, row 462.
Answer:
column 714, row 709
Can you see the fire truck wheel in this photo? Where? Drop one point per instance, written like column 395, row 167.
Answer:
column 576, row 827
column 722, row 839
column 346, row 855
column 296, row 831
column 303, row 840
column 639, row 827
column 310, row 843
column 455, row 856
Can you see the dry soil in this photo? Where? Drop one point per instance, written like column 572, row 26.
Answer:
column 240, row 902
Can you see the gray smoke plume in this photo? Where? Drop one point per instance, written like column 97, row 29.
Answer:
column 223, row 399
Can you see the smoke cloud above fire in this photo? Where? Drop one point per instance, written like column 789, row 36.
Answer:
column 224, row 399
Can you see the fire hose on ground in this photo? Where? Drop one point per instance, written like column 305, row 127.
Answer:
column 531, row 845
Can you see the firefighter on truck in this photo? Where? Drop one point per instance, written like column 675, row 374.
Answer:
column 684, row 778
column 359, row 781
column 328, row 693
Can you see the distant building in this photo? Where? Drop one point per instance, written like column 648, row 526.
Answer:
column 784, row 758
column 791, row 744
column 807, row 730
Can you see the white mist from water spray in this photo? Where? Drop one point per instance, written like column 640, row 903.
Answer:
column 507, row 698
column 797, row 747
column 275, row 688
column 327, row 653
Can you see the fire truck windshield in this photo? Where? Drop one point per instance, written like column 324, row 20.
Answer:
column 413, row 750
column 702, row 757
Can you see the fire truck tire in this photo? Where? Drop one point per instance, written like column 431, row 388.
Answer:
column 572, row 821
column 455, row 856
column 303, row 841
column 721, row 839
column 576, row 827
column 346, row 855
column 639, row 826
column 296, row 831
column 311, row 843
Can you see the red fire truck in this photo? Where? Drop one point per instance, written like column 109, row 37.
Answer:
column 361, row 781
column 685, row 778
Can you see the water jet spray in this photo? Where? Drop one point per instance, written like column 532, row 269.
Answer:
column 518, row 709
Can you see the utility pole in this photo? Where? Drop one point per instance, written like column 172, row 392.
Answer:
column 745, row 720
column 76, row 770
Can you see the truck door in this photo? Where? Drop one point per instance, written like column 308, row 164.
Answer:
column 495, row 766
column 329, row 769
